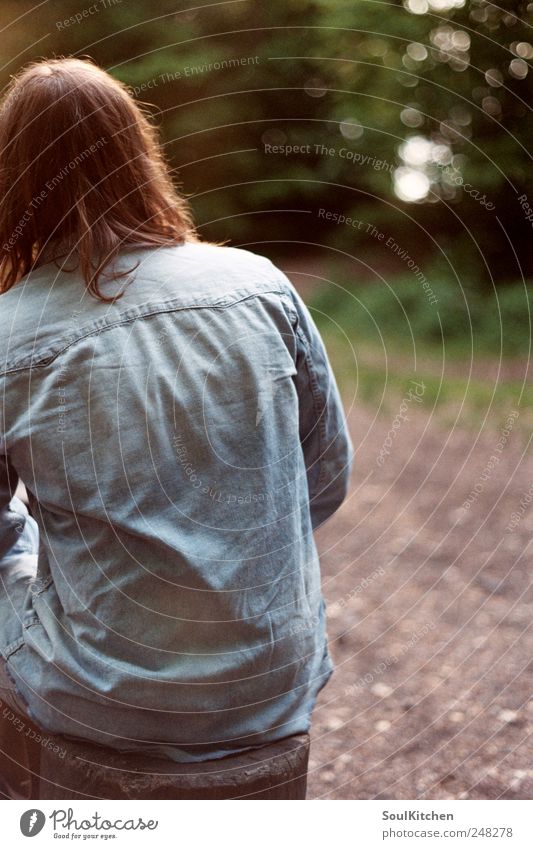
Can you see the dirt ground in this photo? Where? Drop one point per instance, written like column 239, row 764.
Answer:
column 430, row 618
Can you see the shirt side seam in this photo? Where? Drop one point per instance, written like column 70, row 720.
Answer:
column 319, row 412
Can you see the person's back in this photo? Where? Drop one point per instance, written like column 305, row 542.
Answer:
column 178, row 444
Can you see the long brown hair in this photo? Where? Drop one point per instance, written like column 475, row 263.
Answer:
column 81, row 172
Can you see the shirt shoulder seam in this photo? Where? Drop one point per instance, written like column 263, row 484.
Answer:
column 49, row 355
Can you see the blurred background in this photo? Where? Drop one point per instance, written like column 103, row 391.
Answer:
column 380, row 153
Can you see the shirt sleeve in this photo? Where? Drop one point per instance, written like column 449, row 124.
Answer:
column 326, row 444
column 17, row 529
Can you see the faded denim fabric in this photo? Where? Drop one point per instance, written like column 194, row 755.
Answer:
column 178, row 446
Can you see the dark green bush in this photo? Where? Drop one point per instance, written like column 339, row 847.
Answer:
column 400, row 314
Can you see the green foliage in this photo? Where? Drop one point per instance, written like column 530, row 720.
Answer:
column 400, row 317
column 380, row 337
column 354, row 78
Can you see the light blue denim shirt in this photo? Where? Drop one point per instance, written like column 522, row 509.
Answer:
column 178, row 447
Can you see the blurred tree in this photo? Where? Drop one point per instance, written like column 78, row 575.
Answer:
column 409, row 115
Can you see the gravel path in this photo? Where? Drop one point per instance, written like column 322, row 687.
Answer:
column 430, row 618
